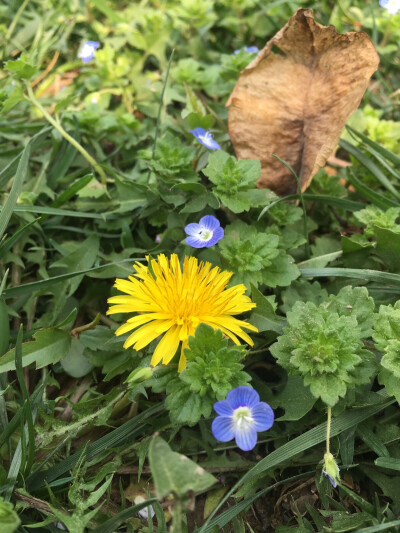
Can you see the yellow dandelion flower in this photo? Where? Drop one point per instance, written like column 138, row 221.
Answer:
column 172, row 302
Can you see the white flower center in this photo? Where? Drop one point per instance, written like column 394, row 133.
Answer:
column 242, row 418
column 206, row 138
column 204, row 234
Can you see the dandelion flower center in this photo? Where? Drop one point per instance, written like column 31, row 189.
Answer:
column 172, row 301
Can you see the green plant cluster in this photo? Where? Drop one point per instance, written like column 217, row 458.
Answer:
column 213, row 369
column 324, row 344
column 387, row 337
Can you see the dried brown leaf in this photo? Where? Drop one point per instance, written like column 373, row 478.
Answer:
column 294, row 99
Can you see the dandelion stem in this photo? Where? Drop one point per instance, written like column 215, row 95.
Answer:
column 57, row 125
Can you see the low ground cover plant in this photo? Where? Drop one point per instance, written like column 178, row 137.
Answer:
column 199, row 301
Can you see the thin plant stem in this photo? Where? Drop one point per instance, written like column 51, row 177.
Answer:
column 160, row 109
column 57, row 125
column 305, row 228
column 328, row 429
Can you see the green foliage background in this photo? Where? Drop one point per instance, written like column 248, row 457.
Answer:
column 98, row 169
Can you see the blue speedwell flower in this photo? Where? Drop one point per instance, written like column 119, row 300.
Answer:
column 86, row 53
column 204, row 234
column 392, row 6
column 205, row 138
column 248, row 49
column 242, row 415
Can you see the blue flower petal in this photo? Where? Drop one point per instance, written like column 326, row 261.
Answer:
column 198, row 132
column 93, row 44
column 222, row 428
column 263, row 416
column 192, row 229
column 243, row 396
column 195, row 242
column 217, row 235
column 246, row 438
column 205, row 138
column 209, row 222
column 251, row 49
column 332, row 481
column 223, row 408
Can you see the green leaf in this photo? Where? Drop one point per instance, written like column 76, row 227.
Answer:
column 175, row 473
column 16, row 189
column 342, row 521
column 255, row 257
column 281, row 272
column 264, row 317
column 75, row 363
column 304, row 291
column 80, row 259
column 14, row 97
column 49, row 346
column 295, row 398
column 21, row 68
column 213, row 368
column 232, row 179
column 363, row 274
column 356, row 302
column 388, row 247
column 391, row 383
column 8, row 517
column 125, row 433
column 323, row 345
column 388, row 462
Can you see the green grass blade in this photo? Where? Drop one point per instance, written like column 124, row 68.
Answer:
column 373, row 196
column 58, row 212
column 6, row 245
column 342, row 203
column 380, row 527
column 28, row 288
column 12, row 425
column 387, row 154
column 392, row 463
column 355, row 273
column 370, row 165
column 16, row 189
column 8, row 172
column 303, row 205
column 25, row 396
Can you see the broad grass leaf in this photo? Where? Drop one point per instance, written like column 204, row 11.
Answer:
column 50, row 345
column 174, row 472
column 294, row 103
